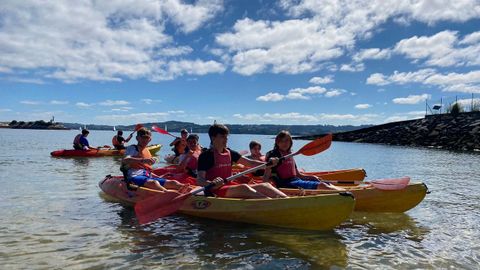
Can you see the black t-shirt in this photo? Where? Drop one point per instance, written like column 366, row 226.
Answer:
column 206, row 159
column 120, row 140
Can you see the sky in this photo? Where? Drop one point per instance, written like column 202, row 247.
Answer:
column 237, row 62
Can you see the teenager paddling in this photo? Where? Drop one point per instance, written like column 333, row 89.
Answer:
column 215, row 165
column 286, row 174
column 139, row 161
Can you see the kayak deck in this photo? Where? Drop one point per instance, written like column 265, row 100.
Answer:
column 316, row 212
column 370, row 199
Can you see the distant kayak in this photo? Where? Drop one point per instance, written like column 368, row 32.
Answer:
column 154, row 148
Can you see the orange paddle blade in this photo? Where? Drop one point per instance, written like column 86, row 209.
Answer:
column 316, row 146
column 138, row 127
column 163, row 204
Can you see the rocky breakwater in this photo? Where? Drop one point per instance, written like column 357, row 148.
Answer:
column 447, row 131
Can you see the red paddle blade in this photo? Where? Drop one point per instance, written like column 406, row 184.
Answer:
column 316, row 146
column 159, row 130
column 138, row 127
column 158, row 206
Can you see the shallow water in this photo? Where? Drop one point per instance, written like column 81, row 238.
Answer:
column 53, row 215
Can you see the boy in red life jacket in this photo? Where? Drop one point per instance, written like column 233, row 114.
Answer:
column 139, row 162
column 287, row 174
column 215, row 165
column 189, row 161
column 119, row 142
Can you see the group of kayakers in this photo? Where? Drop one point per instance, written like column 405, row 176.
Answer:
column 213, row 165
column 80, row 141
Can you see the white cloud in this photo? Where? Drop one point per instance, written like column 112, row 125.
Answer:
column 132, row 118
column 30, row 102
column 271, row 97
column 334, row 93
column 320, row 31
column 100, row 40
column 296, row 118
column 442, row 49
column 301, row 93
column 5, row 70
column 411, row 99
column 321, row 80
column 150, row 101
column 5, row 110
column 372, row 53
column 353, row 67
column 362, row 106
column 109, row 102
column 24, row 80
column 58, row 102
column 83, row 105
column 452, row 82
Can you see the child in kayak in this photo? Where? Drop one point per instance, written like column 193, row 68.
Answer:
column 139, row 161
column 80, row 142
column 189, row 160
column 177, row 145
column 255, row 154
column 286, row 174
column 119, row 142
column 215, row 165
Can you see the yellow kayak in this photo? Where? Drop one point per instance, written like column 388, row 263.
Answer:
column 317, row 212
column 154, row 148
column 371, row 199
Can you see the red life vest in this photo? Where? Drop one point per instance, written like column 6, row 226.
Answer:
column 115, row 141
column 193, row 160
column 222, row 166
column 144, row 154
column 77, row 139
column 287, row 169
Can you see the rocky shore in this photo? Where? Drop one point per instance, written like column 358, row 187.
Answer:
column 33, row 125
column 446, row 131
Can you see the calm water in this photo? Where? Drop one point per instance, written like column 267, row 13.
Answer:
column 52, row 215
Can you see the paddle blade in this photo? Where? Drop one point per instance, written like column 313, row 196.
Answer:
column 161, row 205
column 391, row 183
column 162, row 131
column 316, row 146
column 138, row 127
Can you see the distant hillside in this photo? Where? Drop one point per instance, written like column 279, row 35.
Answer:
column 40, row 124
column 176, row 126
column 448, row 131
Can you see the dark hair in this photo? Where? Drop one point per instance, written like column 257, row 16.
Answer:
column 183, row 131
column 120, row 132
column 253, row 144
column 283, row 134
column 216, row 129
column 85, row 131
column 192, row 136
column 144, row 132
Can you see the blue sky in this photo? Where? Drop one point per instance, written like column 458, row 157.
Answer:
column 264, row 62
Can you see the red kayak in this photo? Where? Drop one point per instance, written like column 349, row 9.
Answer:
column 98, row 152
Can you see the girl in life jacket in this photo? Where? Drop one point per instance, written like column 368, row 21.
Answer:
column 286, row 174
column 189, row 160
column 215, row 165
column 139, row 162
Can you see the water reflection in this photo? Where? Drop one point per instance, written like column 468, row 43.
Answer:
column 386, row 223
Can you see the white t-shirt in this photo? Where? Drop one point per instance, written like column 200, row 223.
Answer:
column 131, row 151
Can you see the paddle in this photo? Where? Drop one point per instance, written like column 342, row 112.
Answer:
column 156, row 207
column 162, row 131
column 382, row 184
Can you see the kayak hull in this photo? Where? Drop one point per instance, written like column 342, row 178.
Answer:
column 317, row 212
column 371, row 199
column 99, row 153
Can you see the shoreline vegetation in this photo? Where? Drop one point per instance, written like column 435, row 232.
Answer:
column 453, row 131
column 176, row 126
